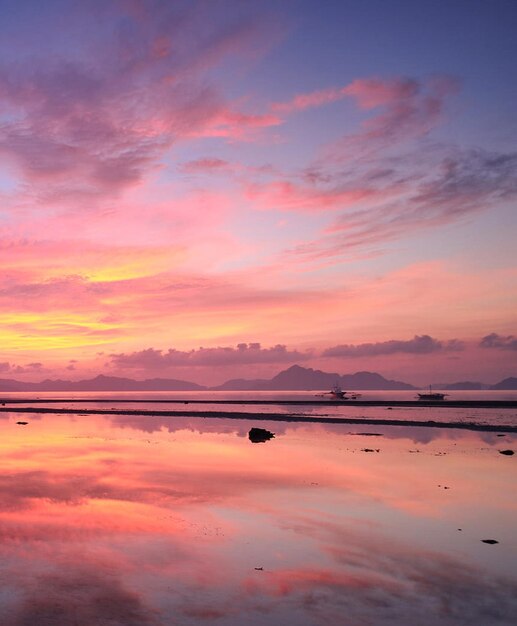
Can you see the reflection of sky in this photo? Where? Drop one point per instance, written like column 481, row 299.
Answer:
column 174, row 401
column 135, row 521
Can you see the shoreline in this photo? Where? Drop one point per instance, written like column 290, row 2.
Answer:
column 452, row 404
column 272, row 417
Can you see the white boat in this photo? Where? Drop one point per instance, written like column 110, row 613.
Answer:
column 337, row 393
column 432, row 395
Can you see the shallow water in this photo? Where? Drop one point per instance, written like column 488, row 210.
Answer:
column 158, row 401
column 132, row 521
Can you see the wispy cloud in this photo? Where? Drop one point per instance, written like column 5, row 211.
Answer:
column 419, row 196
column 368, row 92
column 409, row 108
column 86, row 128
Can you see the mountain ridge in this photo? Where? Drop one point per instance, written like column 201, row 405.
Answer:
column 297, row 378
column 294, row 378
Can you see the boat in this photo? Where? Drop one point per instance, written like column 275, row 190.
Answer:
column 432, row 396
column 337, row 393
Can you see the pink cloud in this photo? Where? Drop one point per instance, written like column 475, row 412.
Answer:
column 77, row 129
column 310, row 100
column 204, row 165
column 242, row 354
column 287, row 195
column 369, row 93
column 30, row 368
column 408, row 109
column 499, row 342
column 425, row 195
column 420, row 344
column 236, row 125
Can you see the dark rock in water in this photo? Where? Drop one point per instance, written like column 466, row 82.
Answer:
column 370, row 450
column 260, row 435
column 507, row 452
column 490, row 541
column 22, row 423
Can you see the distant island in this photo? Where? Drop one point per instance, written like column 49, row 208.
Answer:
column 466, row 385
column 507, row 383
column 102, row 383
column 294, row 378
column 298, row 378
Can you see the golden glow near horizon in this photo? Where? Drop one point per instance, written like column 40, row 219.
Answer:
column 159, row 195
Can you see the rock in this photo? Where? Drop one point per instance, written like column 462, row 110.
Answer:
column 370, row 450
column 259, row 569
column 260, row 435
column 22, row 423
column 507, row 452
column 490, row 541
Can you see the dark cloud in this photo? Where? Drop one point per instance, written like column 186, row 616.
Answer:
column 420, row 344
column 30, row 368
column 243, row 353
column 500, row 342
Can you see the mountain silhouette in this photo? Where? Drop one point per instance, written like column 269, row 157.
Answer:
column 506, row 384
column 297, row 378
column 294, row 378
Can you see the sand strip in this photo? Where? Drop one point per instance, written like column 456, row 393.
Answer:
column 272, row 417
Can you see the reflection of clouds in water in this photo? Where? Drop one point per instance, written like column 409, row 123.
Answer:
column 15, row 416
column 72, row 595
column 420, row 434
column 426, row 590
column 380, row 581
column 153, row 424
column 103, row 529
column 149, row 484
column 366, row 579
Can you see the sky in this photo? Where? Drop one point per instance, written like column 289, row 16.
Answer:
column 215, row 189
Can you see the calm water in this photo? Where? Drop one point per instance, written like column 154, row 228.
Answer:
column 340, row 409
column 137, row 521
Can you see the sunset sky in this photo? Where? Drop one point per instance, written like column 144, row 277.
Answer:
column 214, row 189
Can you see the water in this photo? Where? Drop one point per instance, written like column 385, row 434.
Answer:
column 124, row 520
column 156, row 401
